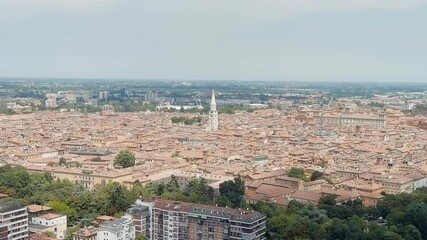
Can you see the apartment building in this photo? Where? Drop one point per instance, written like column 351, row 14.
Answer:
column 13, row 223
column 49, row 222
column 121, row 229
column 141, row 217
column 173, row 220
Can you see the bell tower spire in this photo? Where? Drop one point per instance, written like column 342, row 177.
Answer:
column 213, row 101
column 213, row 115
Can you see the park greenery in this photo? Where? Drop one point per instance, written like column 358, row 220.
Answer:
column 298, row 173
column 186, row 120
column 316, row 175
column 377, row 104
column 422, row 107
column 232, row 109
column 401, row 216
column 134, row 106
column 124, row 159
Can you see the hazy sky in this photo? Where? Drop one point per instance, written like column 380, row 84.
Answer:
column 376, row 40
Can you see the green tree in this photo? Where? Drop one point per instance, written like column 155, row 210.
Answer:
column 394, row 202
column 117, row 201
column 298, row 173
column 199, row 191
column 16, row 178
column 96, row 159
column 139, row 236
column 337, row 229
column 316, row 175
column 63, row 208
column 408, row 232
column 417, row 216
column 49, row 234
column 125, row 159
column 172, row 185
column 69, row 232
column 234, row 191
column 63, row 162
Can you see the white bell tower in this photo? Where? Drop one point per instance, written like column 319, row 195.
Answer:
column 213, row 115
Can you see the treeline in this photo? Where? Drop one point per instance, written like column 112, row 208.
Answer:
column 232, row 109
column 134, row 106
column 186, row 120
column 64, row 196
column 396, row 217
column 231, row 192
column 81, row 204
column 421, row 107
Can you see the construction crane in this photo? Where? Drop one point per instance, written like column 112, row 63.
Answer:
column 159, row 107
column 330, row 103
column 198, row 102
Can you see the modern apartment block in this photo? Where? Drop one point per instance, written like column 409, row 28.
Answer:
column 13, row 223
column 174, row 220
column 121, row 229
column 141, row 217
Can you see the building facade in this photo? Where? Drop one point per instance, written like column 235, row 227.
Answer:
column 348, row 119
column 104, row 95
column 13, row 223
column 89, row 233
column 141, row 217
column 173, row 220
column 51, row 100
column 121, row 229
column 51, row 222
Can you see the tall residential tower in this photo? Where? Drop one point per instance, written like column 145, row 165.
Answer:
column 173, row 220
column 213, row 115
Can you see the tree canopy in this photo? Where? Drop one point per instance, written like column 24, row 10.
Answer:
column 186, row 120
column 401, row 216
column 125, row 159
column 233, row 191
column 298, row 173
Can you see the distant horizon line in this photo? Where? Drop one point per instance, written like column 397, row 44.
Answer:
column 218, row 80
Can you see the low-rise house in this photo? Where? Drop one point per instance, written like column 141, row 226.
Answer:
column 370, row 199
column 291, row 182
column 314, row 185
column 87, row 233
column 396, row 185
column 50, row 222
column 306, row 197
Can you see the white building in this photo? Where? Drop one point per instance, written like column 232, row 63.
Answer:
column 71, row 97
column 50, row 222
column 107, row 110
column 13, row 222
column 213, row 115
column 49, row 154
column 104, row 95
column 122, row 229
column 420, row 182
column 51, row 100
